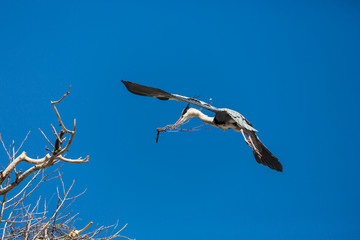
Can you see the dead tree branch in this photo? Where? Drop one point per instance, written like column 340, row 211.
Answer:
column 40, row 163
column 36, row 222
column 19, row 220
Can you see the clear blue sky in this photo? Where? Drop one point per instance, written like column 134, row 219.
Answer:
column 293, row 69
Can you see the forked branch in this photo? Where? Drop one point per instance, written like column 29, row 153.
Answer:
column 47, row 160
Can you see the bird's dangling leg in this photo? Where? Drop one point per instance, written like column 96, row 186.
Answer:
column 254, row 147
column 246, row 140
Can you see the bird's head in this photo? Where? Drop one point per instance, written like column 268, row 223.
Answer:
column 186, row 114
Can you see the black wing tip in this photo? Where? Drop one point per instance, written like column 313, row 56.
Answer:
column 279, row 168
column 131, row 87
column 143, row 90
column 270, row 161
column 126, row 83
column 275, row 164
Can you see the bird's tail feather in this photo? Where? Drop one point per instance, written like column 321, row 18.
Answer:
column 263, row 155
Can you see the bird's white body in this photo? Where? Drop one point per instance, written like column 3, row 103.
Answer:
column 192, row 112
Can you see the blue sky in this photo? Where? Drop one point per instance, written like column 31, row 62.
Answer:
column 292, row 69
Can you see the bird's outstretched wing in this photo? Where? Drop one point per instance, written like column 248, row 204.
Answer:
column 263, row 155
column 162, row 95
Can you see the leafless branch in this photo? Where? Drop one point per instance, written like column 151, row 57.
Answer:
column 7, row 152
column 21, row 144
column 53, row 103
column 32, row 222
column 20, row 220
column 46, row 138
column 46, row 161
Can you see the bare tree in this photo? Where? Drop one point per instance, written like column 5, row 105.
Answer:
column 22, row 220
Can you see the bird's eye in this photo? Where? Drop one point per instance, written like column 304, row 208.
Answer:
column 185, row 110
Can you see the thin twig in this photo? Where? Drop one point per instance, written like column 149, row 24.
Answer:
column 4, row 147
column 22, row 143
column 167, row 128
column 53, row 103
column 46, row 138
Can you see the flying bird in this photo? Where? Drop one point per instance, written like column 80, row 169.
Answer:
column 224, row 119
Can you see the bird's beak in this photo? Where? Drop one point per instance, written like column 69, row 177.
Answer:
column 177, row 123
